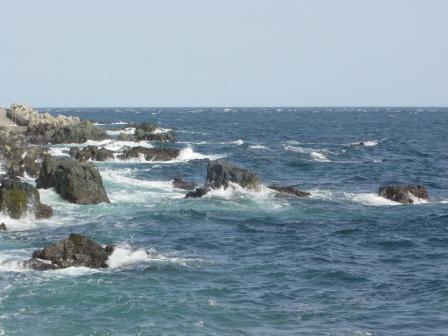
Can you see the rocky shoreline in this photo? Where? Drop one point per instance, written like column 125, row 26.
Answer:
column 24, row 152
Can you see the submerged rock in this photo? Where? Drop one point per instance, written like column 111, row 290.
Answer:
column 74, row 251
column 403, row 194
column 221, row 173
column 77, row 182
column 289, row 190
column 149, row 154
column 181, row 184
column 91, row 153
column 18, row 198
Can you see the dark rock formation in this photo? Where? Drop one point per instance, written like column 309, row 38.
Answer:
column 150, row 154
column 181, row 184
column 2, row 227
column 18, row 198
column 75, row 133
column 91, row 153
column 74, row 251
column 221, row 173
column 198, row 192
column 125, row 137
column 161, row 137
column 77, row 182
column 403, row 194
column 289, row 190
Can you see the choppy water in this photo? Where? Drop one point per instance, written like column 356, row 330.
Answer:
column 343, row 262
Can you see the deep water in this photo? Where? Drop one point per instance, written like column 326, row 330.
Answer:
column 342, row 262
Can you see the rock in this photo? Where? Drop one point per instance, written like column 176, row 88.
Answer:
column 2, row 227
column 72, row 133
column 125, row 137
column 403, row 194
column 91, row 153
column 149, row 154
column 221, row 173
column 74, row 251
column 289, row 190
column 18, row 198
column 161, row 137
column 146, row 127
column 24, row 115
column 77, row 182
column 181, row 184
column 198, row 192
column 26, row 160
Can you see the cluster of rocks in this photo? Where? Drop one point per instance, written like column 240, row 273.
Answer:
column 74, row 251
column 24, row 115
column 146, row 131
column 404, row 194
column 222, row 174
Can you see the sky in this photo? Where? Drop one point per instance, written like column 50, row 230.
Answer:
column 133, row 53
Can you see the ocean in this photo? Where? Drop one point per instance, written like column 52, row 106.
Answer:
column 341, row 262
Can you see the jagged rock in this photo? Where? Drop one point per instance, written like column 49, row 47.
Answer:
column 198, row 192
column 181, row 184
column 221, row 173
column 125, row 137
column 74, row 251
column 18, row 198
column 403, row 194
column 289, row 190
column 77, row 182
column 73, row 133
column 146, row 127
column 24, row 115
column 91, row 153
column 149, row 154
column 161, row 137
column 2, row 227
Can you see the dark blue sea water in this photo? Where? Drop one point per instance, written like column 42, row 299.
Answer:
column 343, row 262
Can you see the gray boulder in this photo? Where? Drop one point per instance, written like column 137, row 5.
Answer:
column 289, row 190
column 74, row 133
column 403, row 194
column 2, row 227
column 91, row 153
column 221, row 173
column 150, row 154
column 74, row 251
column 77, row 182
column 18, row 198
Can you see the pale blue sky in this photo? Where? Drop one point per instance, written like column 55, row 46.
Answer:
column 224, row 53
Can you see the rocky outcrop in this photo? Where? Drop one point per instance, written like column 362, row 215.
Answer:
column 2, row 227
column 403, row 194
column 221, row 174
column 185, row 185
column 91, row 153
column 18, row 198
column 146, row 131
column 289, row 190
column 77, row 182
column 74, row 251
column 24, row 115
column 73, row 133
column 149, row 154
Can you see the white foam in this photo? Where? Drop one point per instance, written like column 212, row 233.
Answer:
column 11, row 261
column 298, row 149
column 161, row 130
column 59, row 151
column 258, row 147
column 237, row 142
column 235, row 191
column 123, row 255
column 128, row 130
column 367, row 143
column 360, row 198
column 316, row 156
column 188, row 154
